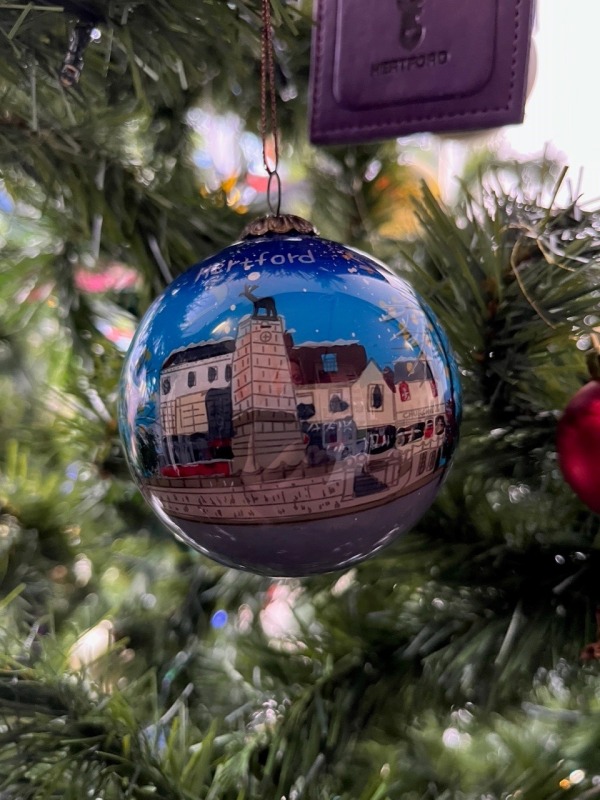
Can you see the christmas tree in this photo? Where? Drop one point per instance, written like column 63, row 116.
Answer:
column 462, row 661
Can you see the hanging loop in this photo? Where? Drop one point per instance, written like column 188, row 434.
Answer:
column 275, row 223
column 274, row 207
column 268, row 110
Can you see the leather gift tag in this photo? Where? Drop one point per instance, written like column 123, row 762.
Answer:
column 386, row 68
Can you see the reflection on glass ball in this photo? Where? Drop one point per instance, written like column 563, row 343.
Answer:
column 289, row 406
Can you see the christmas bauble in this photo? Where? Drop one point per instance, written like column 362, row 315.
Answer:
column 578, row 444
column 289, row 406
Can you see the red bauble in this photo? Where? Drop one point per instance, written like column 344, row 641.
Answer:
column 578, row 442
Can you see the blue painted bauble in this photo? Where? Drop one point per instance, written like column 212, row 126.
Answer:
column 289, row 406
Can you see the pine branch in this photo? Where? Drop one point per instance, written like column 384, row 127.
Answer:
column 527, row 275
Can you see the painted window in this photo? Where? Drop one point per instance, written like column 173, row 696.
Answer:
column 212, row 374
column 337, row 404
column 166, row 385
column 422, row 462
column 228, row 373
column 329, row 361
column 348, row 432
column 191, row 379
column 403, row 436
column 418, row 431
column 375, row 397
column 330, row 434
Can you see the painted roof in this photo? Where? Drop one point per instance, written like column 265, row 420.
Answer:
column 309, row 367
column 200, row 352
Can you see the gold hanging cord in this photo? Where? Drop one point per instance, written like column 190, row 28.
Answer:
column 268, row 106
column 276, row 222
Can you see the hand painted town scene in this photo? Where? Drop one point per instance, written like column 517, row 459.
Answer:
column 289, row 381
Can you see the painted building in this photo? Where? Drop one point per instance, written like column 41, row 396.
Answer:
column 267, row 434
column 260, row 402
column 195, row 401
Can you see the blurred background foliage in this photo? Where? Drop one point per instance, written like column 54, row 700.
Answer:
column 447, row 667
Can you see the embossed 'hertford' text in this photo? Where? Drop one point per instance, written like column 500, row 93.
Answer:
column 436, row 59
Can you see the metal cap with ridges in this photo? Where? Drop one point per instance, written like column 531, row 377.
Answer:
column 280, row 224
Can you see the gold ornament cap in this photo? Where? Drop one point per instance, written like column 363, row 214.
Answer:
column 278, row 224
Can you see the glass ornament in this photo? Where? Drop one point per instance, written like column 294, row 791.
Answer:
column 289, row 405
